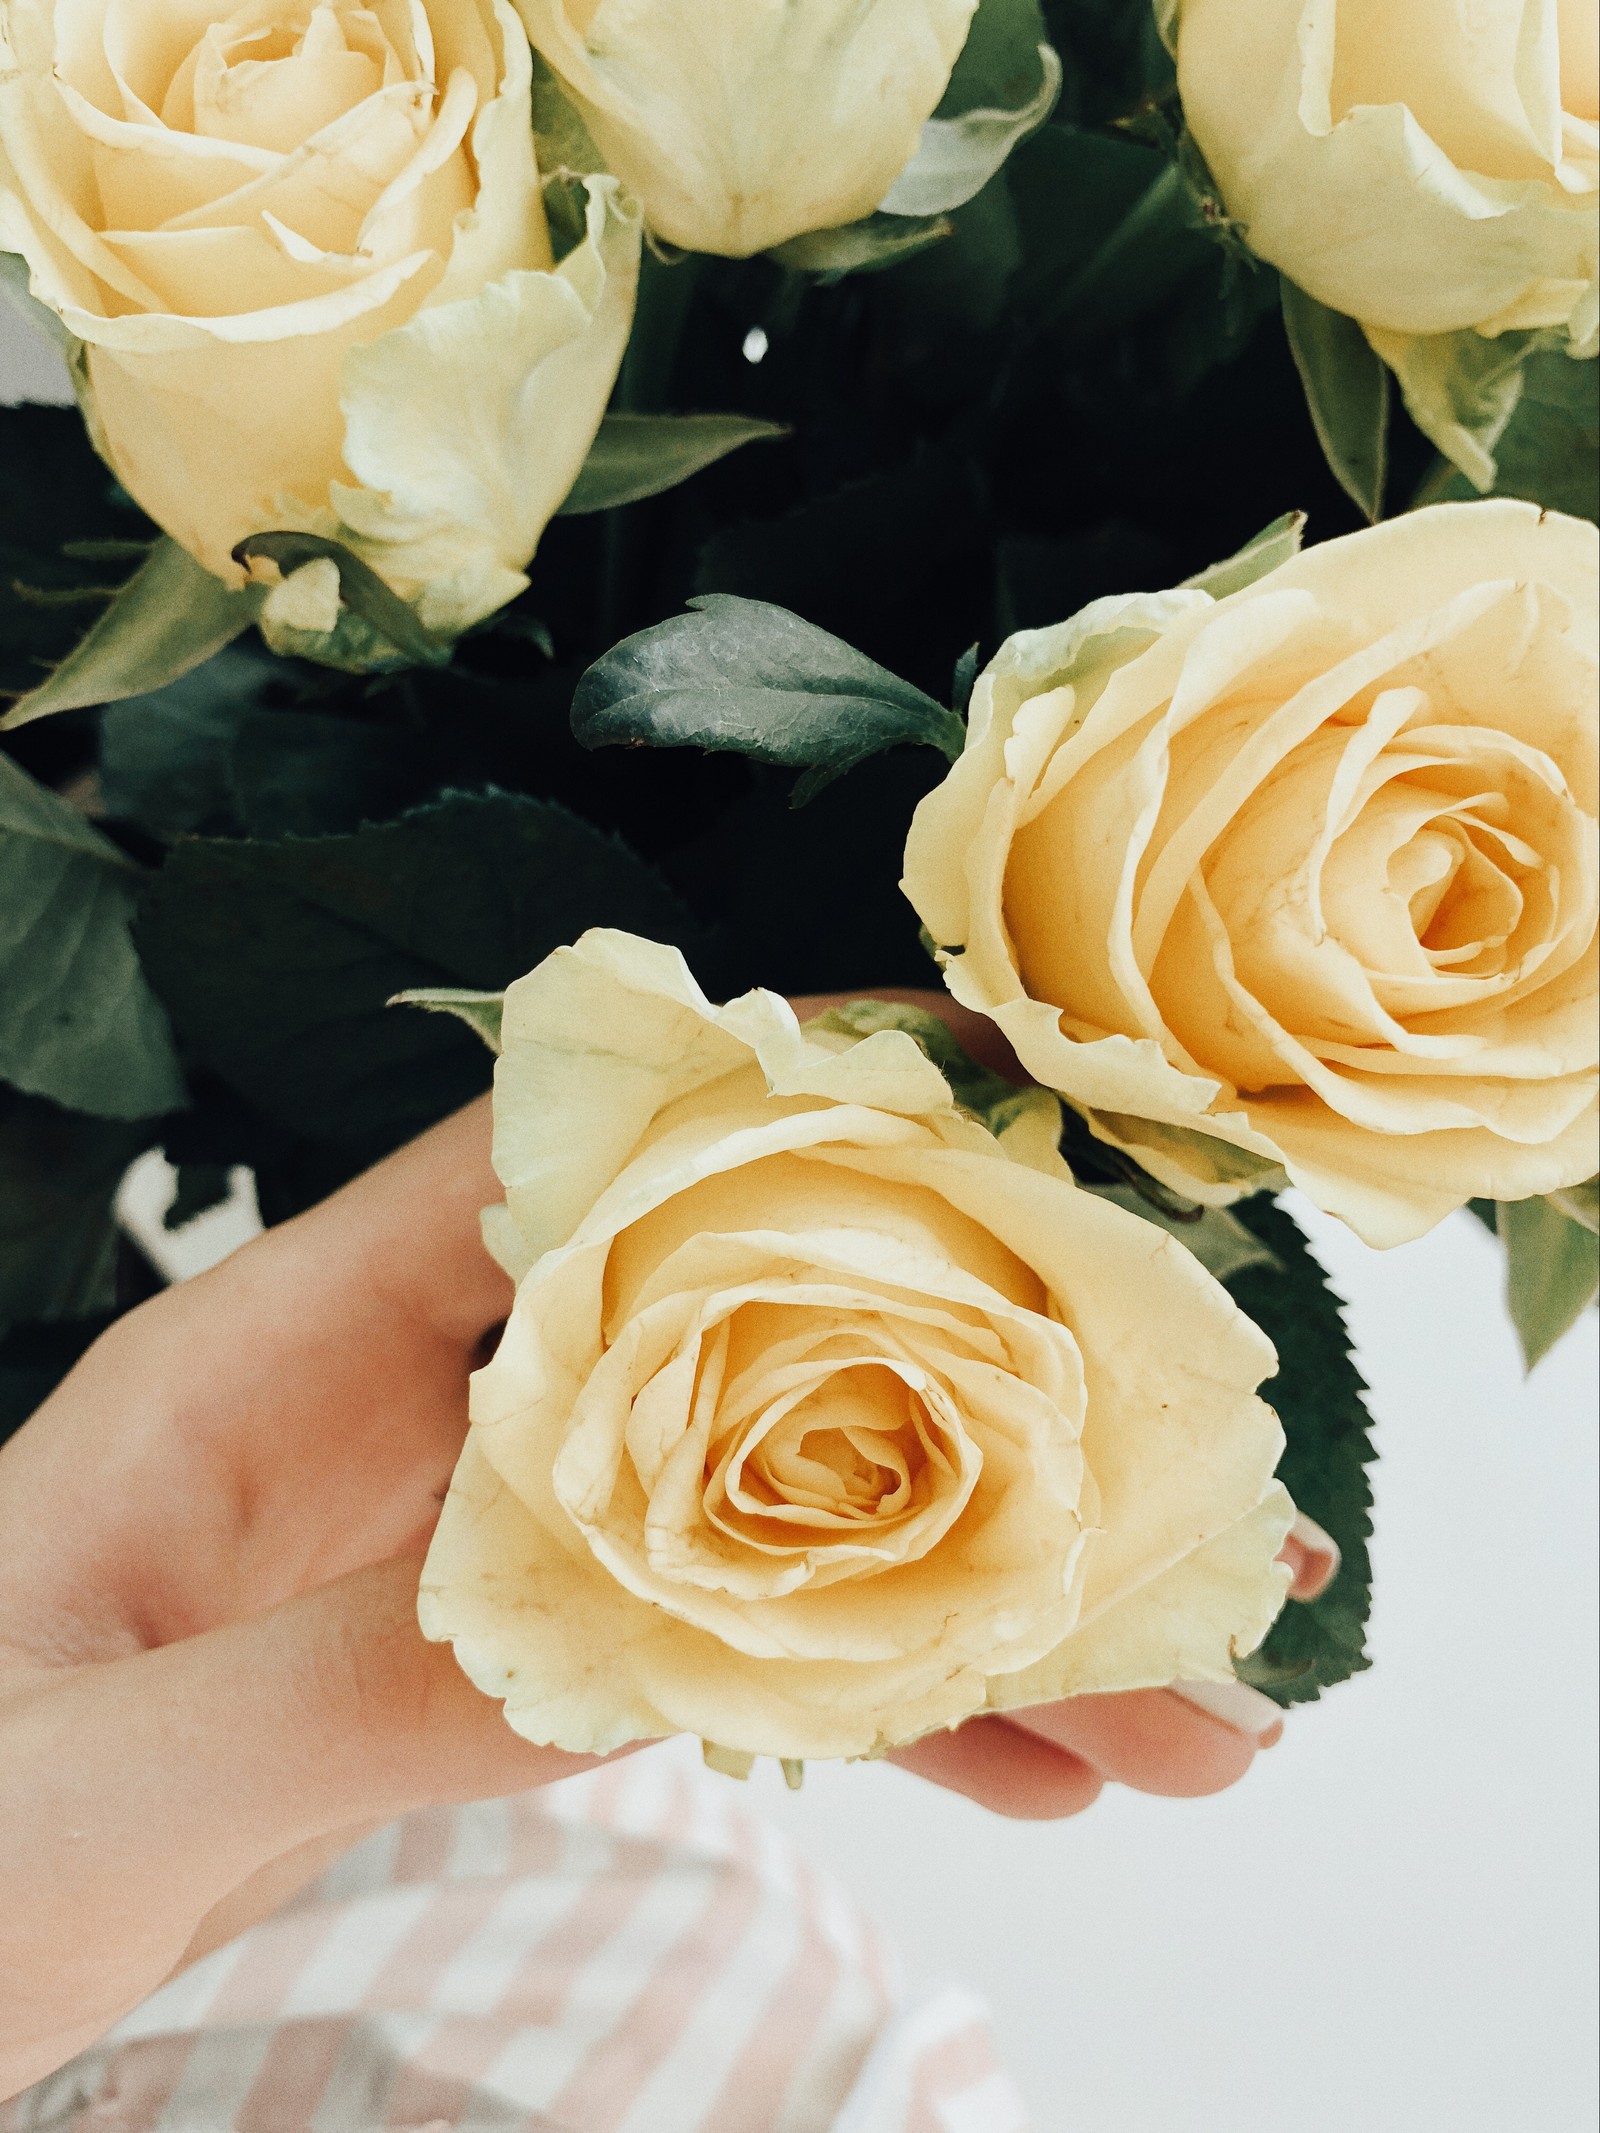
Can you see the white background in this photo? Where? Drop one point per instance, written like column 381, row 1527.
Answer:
column 1388, row 1928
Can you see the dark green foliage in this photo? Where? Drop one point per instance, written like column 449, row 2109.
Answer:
column 1347, row 393
column 59, row 1173
column 1318, row 1396
column 742, row 675
column 384, row 614
column 55, row 494
column 79, row 1023
column 998, row 69
column 277, row 959
column 1549, row 452
column 237, row 748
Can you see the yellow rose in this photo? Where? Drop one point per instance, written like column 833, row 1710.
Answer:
column 1418, row 166
column 1310, row 869
column 304, row 247
column 823, row 1418
column 740, row 123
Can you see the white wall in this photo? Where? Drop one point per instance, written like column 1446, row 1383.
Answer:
column 1389, row 1927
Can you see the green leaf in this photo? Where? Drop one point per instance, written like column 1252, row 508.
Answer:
column 740, row 675
column 1580, row 1203
column 66, row 535
column 168, row 617
column 217, row 753
column 164, row 756
column 77, row 1021
column 1217, row 1238
column 385, row 630
column 860, row 247
column 1111, row 231
column 956, row 157
column 1272, row 546
column 976, row 1088
column 1552, row 1271
column 1549, row 450
column 635, row 456
column 482, row 1012
column 999, row 64
column 1318, row 1395
column 1347, row 394
column 1461, row 389
column 277, row 960
column 59, row 1174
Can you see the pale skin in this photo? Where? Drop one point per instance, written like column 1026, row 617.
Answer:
column 211, row 1675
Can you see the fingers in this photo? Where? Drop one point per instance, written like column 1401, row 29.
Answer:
column 409, row 1229
column 1009, row 1771
column 1312, row 1556
column 1159, row 1741
column 138, row 1794
column 186, row 1769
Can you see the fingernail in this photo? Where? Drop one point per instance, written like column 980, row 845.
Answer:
column 1245, row 1709
column 1320, row 1552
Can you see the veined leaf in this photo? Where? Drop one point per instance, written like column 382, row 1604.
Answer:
column 1318, row 1396
column 1549, row 449
column 740, row 675
column 634, row 456
column 219, row 753
column 1552, row 1270
column 168, row 617
column 880, row 240
column 67, row 540
column 482, row 1012
column 388, row 633
column 1347, row 394
column 1215, row 1235
column 78, row 1023
column 956, row 157
column 59, row 1174
column 278, row 960
column 1273, row 545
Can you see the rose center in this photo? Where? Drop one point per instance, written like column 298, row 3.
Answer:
column 274, row 81
column 1456, row 881
column 850, row 1449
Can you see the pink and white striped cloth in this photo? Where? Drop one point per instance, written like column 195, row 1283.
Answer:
column 631, row 1951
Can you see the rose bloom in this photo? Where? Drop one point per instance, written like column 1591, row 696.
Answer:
column 1309, row 870
column 1416, row 165
column 823, row 1418
column 740, row 123
column 304, row 247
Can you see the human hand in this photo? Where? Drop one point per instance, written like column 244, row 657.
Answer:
column 211, row 1675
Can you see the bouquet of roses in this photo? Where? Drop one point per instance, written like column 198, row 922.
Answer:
column 603, row 517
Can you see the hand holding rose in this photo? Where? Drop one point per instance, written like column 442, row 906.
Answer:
column 210, row 1661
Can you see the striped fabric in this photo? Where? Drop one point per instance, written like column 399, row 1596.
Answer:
column 628, row 1952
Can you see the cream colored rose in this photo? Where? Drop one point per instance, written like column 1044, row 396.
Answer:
column 740, row 123
column 1310, row 869
column 304, row 247
column 823, row 1418
column 1421, row 166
